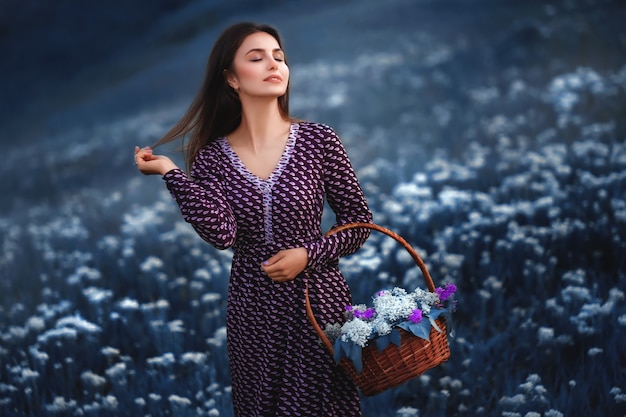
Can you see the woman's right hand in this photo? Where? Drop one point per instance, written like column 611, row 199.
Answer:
column 150, row 164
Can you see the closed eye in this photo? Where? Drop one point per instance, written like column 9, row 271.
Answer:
column 256, row 54
column 277, row 59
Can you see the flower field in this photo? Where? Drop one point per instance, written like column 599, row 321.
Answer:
column 498, row 152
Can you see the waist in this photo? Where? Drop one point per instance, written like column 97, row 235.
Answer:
column 261, row 249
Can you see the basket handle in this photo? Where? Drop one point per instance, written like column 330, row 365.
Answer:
column 420, row 263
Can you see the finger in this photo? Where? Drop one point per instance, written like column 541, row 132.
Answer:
column 275, row 273
column 268, row 269
column 273, row 259
column 144, row 149
column 281, row 278
column 144, row 156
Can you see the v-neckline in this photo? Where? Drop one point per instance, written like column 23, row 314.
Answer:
column 276, row 171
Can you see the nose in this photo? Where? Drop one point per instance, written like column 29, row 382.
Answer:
column 273, row 64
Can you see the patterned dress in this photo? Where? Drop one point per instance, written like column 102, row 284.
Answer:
column 278, row 365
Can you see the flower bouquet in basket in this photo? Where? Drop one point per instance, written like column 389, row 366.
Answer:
column 402, row 336
column 393, row 310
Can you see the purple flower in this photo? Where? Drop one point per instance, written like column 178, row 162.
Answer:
column 349, row 308
column 446, row 291
column 366, row 315
column 416, row 316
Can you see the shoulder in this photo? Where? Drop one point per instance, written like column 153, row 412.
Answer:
column 319, row 135
column 321, row 141
column 208, row 156
column 321, row 130
column 211, row 151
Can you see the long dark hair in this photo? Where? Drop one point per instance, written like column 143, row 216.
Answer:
column 216, row 109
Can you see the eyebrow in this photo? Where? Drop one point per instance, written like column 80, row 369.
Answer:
column 263, row 50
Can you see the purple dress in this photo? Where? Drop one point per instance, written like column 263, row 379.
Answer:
column 278, row 365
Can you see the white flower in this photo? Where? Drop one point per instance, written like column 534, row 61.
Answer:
column 381, row 327
column 398, row 292
column 357, row 331
column 333, row 331
column 394, row 306
column 425, row 297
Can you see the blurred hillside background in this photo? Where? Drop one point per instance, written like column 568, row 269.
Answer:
column 490, row 134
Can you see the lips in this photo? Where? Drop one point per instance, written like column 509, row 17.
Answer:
column 274, row 79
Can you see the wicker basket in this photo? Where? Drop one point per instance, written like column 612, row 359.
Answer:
column 394, row 365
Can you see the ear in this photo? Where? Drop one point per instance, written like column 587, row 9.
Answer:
column 231, row 80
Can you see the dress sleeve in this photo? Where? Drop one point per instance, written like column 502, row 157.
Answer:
column 202, row 202
column 347, row 200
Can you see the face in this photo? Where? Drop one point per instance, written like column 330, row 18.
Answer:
column 259, row 68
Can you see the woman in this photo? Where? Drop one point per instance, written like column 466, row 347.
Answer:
column 257, row 183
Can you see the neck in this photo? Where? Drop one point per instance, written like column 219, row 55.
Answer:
column 261, row 122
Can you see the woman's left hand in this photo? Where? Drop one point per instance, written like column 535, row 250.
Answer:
column 286, row 264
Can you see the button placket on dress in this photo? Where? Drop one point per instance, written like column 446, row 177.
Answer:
column 264, row 186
